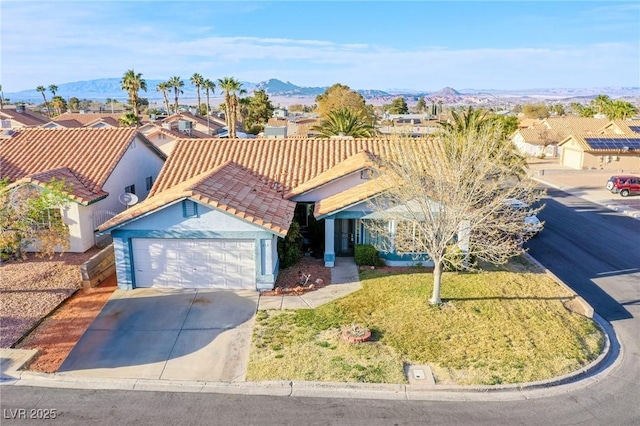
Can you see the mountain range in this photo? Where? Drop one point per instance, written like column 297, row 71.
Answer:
column 101, row 89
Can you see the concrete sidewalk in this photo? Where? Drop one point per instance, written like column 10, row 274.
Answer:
column 344, row 280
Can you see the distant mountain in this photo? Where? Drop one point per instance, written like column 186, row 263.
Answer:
column 101, row 89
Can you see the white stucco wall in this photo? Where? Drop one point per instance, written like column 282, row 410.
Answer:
column 137, row 163
column 331, row 188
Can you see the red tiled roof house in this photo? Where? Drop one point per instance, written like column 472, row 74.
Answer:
column 215, row 214
column 97, row 165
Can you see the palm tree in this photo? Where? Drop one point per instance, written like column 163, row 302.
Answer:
column 164, row 88
column 176, row 83
column 209, row 86
column 197, row 80
column 602, row 102
column 129, row 119
column 469, row 119
column 53, row 89
column 132, row 83
column 1, row 97
column 620, row 110
column 231, row 86
column 345, row 122
column 42, row 90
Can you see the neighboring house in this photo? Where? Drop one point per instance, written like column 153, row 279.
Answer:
column 214, row 215
column 20, row 117
column 544, row 136
column 271, row 131
column 70, row 120
column 164, row 136
column 188, row 122
column 98, row 165
column 621, row 127
column 602, row 151
column 280, row 113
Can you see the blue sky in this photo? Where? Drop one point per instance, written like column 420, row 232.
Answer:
column 422, row 45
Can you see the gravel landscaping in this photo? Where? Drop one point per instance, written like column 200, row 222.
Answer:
column 32, row 288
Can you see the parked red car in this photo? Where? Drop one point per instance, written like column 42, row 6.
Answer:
column 624, row 185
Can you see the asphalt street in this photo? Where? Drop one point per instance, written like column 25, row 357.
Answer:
column 594, row 250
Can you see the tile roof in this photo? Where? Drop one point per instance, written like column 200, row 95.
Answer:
column 581, row 141
column 566, row 126
column 288, row 162
column 350, row 165
column 536, row 135
column 351, row 196
column 73, row 185
column 88, row 118
column 38, row 154
column 26, row 118
column 228, row 187
column 621, row 127
column 214, row 122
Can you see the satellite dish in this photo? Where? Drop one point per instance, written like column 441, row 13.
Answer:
column 128, row 199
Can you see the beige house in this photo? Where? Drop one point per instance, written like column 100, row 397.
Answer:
column 97, row 165
column 544, row 137
column 620, row 153
column 20, row 117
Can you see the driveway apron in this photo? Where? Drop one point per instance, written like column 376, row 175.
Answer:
column 168, row 334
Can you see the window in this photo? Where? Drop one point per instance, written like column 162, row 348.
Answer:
column 408, row 237
column 189, row 208
column 149, row 182
column 48, row 219
column 130, row 189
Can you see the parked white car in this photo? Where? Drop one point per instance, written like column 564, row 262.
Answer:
column 532, row 223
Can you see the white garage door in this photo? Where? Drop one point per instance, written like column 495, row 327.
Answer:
column 194, row 263
column 572, row 158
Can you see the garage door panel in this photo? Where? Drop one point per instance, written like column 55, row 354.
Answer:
column 173, row 263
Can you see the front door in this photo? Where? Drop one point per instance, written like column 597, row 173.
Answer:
column 344, row 237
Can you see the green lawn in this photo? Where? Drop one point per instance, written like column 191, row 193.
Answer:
column 494, row 327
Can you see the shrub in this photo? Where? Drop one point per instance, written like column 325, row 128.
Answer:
column 366, row 254
column 290, row 247
column 454, row 260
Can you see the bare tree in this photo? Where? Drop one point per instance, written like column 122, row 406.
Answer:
column 445, row 197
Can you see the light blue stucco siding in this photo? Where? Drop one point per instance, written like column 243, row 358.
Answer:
column 207, row 224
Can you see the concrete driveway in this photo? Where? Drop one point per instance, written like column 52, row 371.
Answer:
column 168, row 334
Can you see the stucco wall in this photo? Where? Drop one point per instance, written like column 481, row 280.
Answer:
column 210, row 223
column 331, row 188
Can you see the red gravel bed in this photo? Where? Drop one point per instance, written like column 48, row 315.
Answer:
column 32, row 288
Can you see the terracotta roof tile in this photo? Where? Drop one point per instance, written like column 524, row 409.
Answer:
column 350, row 197
column 75, row 187
column 89, row 118
column 31, row 152
column 566, row 126
column 228, row 187
column 286, row 163
column 621, row 127
column 26, row 118
column 581, row 141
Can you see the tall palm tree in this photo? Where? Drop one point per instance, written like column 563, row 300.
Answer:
column 197, row 80
column 209, row 87
column 601, row 102
column 164, row 88
column 132, row 83
column 469, row 119
column 53, row 89
column 345, row 122
column 231, row 87
column 1, row 97
column 42, row 90
column 177, row 84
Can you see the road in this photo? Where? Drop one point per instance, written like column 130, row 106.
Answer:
column 594, row 250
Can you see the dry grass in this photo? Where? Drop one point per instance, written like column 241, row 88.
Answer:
column 494, row 327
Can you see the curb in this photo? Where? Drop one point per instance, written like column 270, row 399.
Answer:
column 609, row 358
